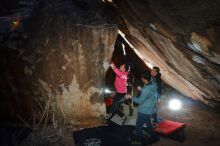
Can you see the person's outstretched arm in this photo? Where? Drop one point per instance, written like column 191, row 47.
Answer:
column 140, row 99
column 116, row 70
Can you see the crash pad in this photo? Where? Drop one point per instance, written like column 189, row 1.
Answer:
column 167, row 127
column 111, row 135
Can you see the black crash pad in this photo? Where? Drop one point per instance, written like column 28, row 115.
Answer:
column 116, row 135
column 111, row 135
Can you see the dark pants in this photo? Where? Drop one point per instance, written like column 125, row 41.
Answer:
column 130, row 105
column 154, row 115
column 141, row 119
column 117, row 107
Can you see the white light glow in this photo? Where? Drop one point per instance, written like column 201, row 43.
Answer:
column 123, row 47
column 175, row 104
column 149, row 65
column 123, row 35
column 107, row 91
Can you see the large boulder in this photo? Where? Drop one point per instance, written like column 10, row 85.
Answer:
column 54, row 62
column 179, row 37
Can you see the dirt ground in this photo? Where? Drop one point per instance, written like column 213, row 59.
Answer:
column 202, row 125
column 202, row 122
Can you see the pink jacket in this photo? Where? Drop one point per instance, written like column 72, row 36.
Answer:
column 120, row 81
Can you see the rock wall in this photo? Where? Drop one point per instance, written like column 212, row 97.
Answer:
column 54, row 63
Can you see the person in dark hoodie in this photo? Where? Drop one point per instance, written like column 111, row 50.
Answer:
column 156, row 79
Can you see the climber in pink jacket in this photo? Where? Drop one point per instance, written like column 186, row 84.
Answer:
column 121, row 78
column 121, row 89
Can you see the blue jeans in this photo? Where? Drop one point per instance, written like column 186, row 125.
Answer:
column 141, row 119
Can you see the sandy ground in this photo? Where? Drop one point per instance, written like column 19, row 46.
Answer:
column 202, row 122
column 202, row 125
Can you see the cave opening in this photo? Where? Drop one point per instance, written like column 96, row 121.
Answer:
column 123, row 53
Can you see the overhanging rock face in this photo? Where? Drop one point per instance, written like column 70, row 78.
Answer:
column 181, row 38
